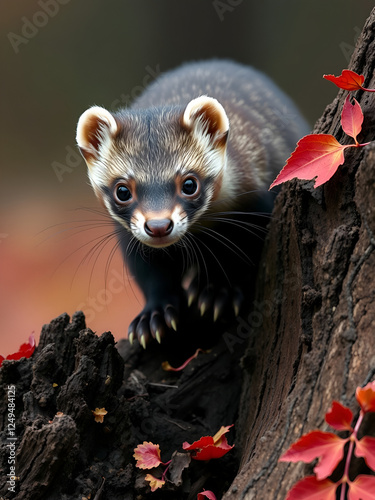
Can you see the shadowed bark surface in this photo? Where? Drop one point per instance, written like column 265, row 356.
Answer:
column 309, row 339
column 316, row 293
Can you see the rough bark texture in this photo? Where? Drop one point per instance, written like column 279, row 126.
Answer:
column 309, row 339
column 316, row 338
column 63, row 454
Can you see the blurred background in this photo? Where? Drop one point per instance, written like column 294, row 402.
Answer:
column 59, row 57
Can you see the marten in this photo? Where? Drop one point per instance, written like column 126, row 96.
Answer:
column 184, row 173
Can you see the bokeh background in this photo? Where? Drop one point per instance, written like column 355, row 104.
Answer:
column 58, row 57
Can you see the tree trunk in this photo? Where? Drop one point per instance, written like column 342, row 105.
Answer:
column 313, row 338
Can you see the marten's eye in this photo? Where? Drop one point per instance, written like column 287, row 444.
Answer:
column 122, row 194
column 190, row 186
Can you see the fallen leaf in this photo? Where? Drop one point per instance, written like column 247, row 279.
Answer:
column 169, row 368
column 221, row 432
column 339, row 417
column 155, row 483
column 206, row 494
column 180, row 461
column 99, row 414
column 208, row 447
column 147, row 455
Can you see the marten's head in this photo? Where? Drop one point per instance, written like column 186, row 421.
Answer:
column 157, row 170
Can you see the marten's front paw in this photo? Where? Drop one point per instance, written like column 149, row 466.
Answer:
column 154, row 322
column 219, row 302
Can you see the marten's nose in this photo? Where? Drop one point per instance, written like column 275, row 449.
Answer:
column 158, row 228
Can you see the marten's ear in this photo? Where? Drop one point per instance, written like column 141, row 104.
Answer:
column 205, row 116
column 96, row 126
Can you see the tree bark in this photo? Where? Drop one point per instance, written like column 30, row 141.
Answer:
column 316, row 298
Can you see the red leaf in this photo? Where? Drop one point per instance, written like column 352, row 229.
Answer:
column 201, row 443
column 351, row 118
column 326, row 445
column 169, row 368
column 206, row 449
column 147, row 455
column 365, row 448
column 316, row 155
column 362, row 488
column 339, row 417
column 348, row 80
column 210, row 452
column 206, row 494
column 366, row 397
column 25, row 351
column 310, row 488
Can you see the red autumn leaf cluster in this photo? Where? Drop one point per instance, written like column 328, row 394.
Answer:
column 206, row 448
column 25, row 351
column 318, row 156
column 148, row 457
column 329, row 449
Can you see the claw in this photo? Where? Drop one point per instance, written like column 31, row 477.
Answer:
column 237, row 301
column 192, row 292
column 171, row 317
column 221, row 304
column 131, row 337
column 157, row 326
column 216, row 313
column 206, row 299
column 142, row 341
column 143, row 331
column 203, row 308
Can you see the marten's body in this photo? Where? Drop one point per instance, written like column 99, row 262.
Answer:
column 185, row 174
